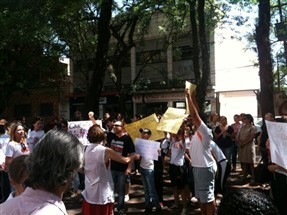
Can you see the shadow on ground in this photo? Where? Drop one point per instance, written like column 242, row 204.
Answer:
column 136, row 206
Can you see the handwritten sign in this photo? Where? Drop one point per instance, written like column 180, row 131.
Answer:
column 191, row 87
column 149, row 122
column 171, row 120
column 147, row 148
column 277, row 132
column 80, row 130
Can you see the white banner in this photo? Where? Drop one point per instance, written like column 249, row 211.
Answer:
column 277, row 132
column 80, row 130
column 147, row 148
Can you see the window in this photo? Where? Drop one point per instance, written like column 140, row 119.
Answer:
column 23, row 110
column 47, row 109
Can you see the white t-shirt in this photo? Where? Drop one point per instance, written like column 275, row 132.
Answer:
column 200, row 147
column 15, row 149
column 147, row 163
column 33, row 137
column 4, row 140
column 177, row 152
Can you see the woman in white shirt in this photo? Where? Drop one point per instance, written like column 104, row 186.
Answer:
column 35, row 133
column 99, row 187
column 17, row 145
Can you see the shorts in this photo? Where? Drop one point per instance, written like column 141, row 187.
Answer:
column 204, row 183
column 178, row 176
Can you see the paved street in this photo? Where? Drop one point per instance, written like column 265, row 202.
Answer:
column 136, row 203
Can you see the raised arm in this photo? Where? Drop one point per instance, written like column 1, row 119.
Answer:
column 193, row 108
column 92, row 117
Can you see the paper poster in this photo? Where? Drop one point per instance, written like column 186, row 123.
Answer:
column 147, row 148
column 171, row 120
column 191, row 88
column 149, row 122
column 80, row 130
column 277, row 132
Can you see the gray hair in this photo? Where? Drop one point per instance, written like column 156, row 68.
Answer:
column 54, row 160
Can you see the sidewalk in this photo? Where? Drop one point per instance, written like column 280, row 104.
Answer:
column 135, row 205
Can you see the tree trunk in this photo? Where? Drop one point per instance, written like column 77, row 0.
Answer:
column 96, row 84
column 195, row 40
column 205, row 58
column 265, row 96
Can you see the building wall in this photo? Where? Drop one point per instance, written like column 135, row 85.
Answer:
column 37, row 103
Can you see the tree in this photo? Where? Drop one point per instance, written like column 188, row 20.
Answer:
column 202, row 31
column 24, row 62
column 265, row 96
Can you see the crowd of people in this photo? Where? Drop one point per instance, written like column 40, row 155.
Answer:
column 41, row 163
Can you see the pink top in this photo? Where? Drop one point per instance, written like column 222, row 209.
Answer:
column 34, row 202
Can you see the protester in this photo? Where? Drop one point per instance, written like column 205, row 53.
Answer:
column 18, row 175
column 4, row 178
column 262, row 138
column 177, row 170
column 147, row 174
column 17, row 145
column 35, row 133
column 204, row 165
column 99, row 186
column 236, row 125
column 279, row 178
column 223, row 137
column 213, row 120
column 121, row 143
column 52, row 165
column 246, row 202
column 246, row 153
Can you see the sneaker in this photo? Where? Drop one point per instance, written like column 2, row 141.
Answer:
column 183, row 212
column 127, row 197
column 161, row 204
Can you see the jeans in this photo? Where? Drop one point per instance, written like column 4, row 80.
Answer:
column 149, row 188
column 234, row 153
column 227, row 152
column 119, row 179
column 264, row 154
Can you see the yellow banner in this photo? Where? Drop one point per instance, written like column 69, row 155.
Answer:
column 191, row 88
column 149, row 122
column 171, row 120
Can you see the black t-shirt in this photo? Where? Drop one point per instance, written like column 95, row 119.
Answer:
column 224, row 142
column 264, row 136
column 123, row 146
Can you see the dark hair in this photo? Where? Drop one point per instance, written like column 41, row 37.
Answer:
column 96, row 134
column 246, row 202
column 18, row 168
column 64, row 122
column 249, row 117
column 54, row 160
column 36, row 119
column 2, row 129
